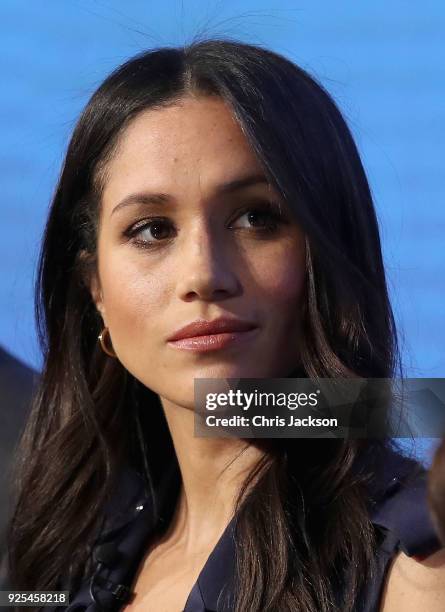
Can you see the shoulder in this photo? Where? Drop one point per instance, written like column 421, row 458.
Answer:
column 407, row 543
column 414, row 585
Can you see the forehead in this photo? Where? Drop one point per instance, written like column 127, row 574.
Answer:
column 196, row 139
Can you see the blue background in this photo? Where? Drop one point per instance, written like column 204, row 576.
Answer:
column 382, row 62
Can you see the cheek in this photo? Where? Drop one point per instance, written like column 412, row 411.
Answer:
column 279, row 277
column 133, row 299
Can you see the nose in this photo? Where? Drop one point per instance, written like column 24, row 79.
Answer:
column 207, row 269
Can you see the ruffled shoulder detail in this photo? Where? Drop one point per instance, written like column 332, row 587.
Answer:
column 401, row 508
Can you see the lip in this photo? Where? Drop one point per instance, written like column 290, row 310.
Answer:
column 202, row 335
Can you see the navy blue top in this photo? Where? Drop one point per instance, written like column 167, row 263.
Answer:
column 398, row 511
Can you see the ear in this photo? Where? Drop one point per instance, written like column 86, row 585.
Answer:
column 90, row 279
column 96, row 294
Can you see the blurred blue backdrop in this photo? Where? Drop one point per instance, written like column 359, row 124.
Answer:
column 382, row 62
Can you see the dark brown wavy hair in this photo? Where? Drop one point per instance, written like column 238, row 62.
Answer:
column 90, row 416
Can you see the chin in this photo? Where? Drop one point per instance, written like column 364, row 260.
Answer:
column 229, row 371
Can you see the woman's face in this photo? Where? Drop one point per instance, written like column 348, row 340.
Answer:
column 186, row 235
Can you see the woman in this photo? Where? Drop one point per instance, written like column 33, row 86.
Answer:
column 211, row 190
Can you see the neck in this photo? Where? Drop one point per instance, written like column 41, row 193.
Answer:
column 213, row 471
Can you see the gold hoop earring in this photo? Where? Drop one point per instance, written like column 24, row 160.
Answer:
column 102, row 337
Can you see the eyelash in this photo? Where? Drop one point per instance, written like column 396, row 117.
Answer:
column 269, row 209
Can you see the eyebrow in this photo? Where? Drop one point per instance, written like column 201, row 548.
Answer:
column 147, row 198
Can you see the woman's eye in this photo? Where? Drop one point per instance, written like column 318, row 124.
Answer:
column 151, row 232
column 259, row 218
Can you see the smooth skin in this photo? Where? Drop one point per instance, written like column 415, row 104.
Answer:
column 191, row 228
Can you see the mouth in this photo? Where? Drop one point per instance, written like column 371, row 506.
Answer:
column 213, row 342
column 205, row 336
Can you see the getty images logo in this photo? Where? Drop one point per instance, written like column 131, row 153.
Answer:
column 243, row 400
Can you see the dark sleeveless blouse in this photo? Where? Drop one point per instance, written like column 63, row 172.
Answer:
column 398, row 510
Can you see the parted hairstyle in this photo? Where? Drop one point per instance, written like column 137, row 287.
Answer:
column 90, row 416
